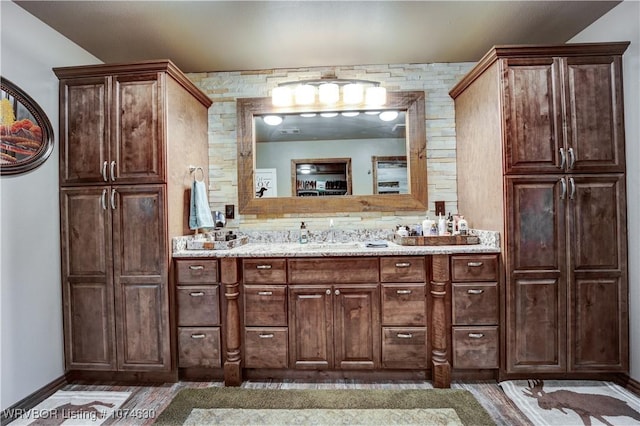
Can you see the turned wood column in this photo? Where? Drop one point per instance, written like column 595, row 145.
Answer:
column 440, row 301
column 230, row 280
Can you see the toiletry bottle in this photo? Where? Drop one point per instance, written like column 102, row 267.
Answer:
column 450, row 224
column 463, row 226
column 304, row 234
column 442, row 225
column 426, row 225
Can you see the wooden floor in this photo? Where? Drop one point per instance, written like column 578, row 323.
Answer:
column 147, row 402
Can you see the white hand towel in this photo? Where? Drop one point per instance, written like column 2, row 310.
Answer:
column 200, row 212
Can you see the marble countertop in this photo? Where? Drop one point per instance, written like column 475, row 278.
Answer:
column 322, row 249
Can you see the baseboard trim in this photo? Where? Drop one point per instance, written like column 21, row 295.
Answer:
column 633, row 385
column 10, row 414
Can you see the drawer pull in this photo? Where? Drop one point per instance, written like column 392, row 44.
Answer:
column 198, row 336
column 266, row 336
column 474, row 264
column 403, row 264
column 196, row 294
column 475, row 291
column 265, row 293
column 404, row 336
column 263, row 267
column 311, row 296
column 403, row 291
column 476, row 335
column 196, row 267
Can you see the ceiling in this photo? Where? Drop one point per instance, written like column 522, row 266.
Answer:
column 250, row 35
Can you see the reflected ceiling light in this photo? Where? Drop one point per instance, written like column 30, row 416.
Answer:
column 351, row 113
column 372, row 112
column 272, row 120
column 328, row 114
column 388, row 115
column 328, row 89
column 306, row 169
column 308, row 114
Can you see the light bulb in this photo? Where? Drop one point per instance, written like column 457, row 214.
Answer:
column 328, row 93
column 305, row 94
column 281, row 96
column 376, row 96
column 352, row 93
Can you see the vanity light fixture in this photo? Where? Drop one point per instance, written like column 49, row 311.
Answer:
column 328, row 92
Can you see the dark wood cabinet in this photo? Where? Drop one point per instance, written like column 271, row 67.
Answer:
column 118, row 268
column 542, row 128
column 563, row 114
column 128, row 133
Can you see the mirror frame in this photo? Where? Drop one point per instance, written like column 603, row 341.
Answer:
column 413, row 102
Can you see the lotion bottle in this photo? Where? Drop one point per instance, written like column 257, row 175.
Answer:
column 426, row 225
column 304, row 234
column 463, row 226
column 442, row 225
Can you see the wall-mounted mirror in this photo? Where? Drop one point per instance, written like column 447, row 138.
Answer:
column 330, row 134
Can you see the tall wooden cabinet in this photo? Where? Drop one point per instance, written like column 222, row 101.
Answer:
column 128, row 134
column 540, row 150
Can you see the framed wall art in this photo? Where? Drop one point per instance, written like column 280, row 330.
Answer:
column 26, row 135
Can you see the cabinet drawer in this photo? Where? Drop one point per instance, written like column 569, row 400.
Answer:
column 404, row 347
column 404, row 304
column 475, row 304
column 474, row 268
column 333, row 271
column 266, row 347
column 475, row 347
column 198, row 305
column 264, row 271
column 265, row 305
column 402, row 269
column 199, row 347
column 196, row 271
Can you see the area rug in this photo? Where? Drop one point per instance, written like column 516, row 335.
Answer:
column 574, row 402
column 74, row 408
column 238, row 406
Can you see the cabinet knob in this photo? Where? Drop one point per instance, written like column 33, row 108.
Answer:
column 403, row 291
column 113, row 199
column 474, row 264
column 263, row 267
column 337, row 292
column 403, row 264
column 572, row 158
column 196, row 294
column 103, row 199
column 476, row 335
column 198, row 336
column 404, row 335
column 475, row 291
column 265, row 293
column 196, row 267
column 563, row 158
column 113, row 171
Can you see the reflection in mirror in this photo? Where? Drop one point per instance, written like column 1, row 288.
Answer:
column 321, row 177
column 320, row 138
column 298, row 135
column 389, row 175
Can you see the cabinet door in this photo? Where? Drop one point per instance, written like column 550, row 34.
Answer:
column 356, row 325
column 594, row 111
column 532, row 113
column 140, row 277
column 84, row 136
column 310, row 327
column 87, row 282
column 598, row 267
column 536, row 274
column 137, row 132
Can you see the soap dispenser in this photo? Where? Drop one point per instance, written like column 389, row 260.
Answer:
column 304, row 234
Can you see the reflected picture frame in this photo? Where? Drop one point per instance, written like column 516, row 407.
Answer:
column 26, row 134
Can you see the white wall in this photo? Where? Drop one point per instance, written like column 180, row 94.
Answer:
column 31, row 353
column 623, row 24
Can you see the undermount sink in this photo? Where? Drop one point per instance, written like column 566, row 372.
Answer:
column 331, row 246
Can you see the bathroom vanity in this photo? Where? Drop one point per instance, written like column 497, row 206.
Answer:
column 322, row 310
